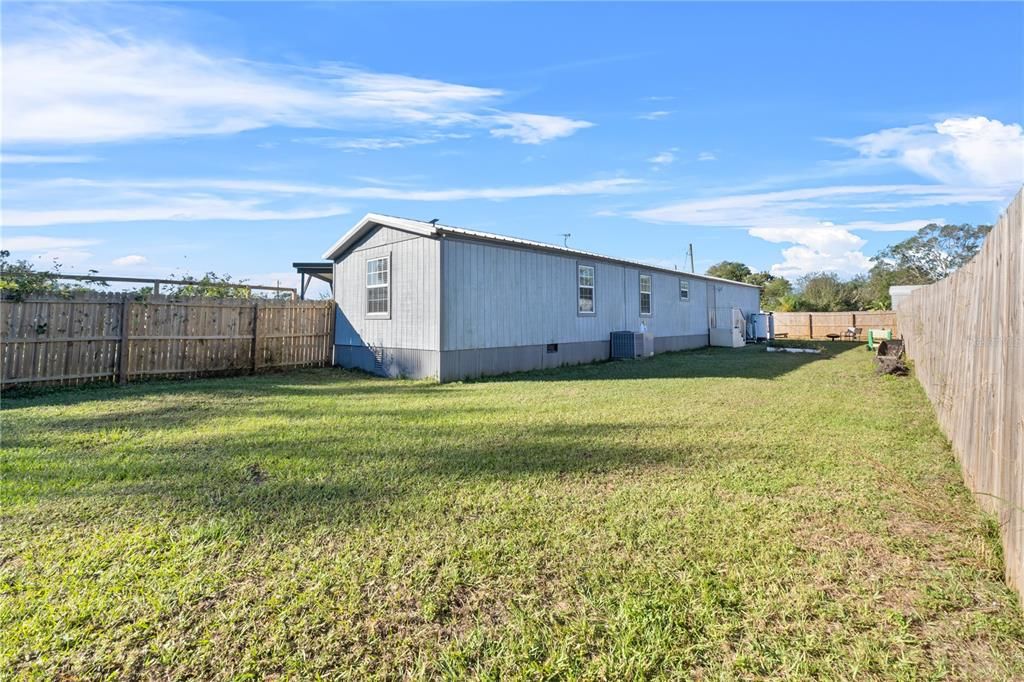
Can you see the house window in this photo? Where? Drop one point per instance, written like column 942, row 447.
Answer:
column 585, row 283
column 645, row 294
column 378, row 286
column 552, row 348
column 684, row 290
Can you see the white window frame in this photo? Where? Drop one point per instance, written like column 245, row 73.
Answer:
column 580, row 287
column 650, row 294
column 684, row 290
column 386, row 314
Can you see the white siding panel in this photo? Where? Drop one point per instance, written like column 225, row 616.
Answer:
column 746, row 299
column 498, row 296
column 415, row 296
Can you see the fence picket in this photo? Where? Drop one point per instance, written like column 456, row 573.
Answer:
column 103, row 336
column 966, row 337
column 819, row 325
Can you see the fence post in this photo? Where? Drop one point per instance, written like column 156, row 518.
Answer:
column 255, row 335
column 810, row 326
column 332, row 320
column 122, row 355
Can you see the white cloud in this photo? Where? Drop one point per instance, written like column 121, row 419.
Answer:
column 664, row 158
column 131, row 260
column 43, row 243
column 44, row 158
column 974, row 151
column 371, row 143
column 69, row 252
column 973, row 159
column 163, row 209
column 534, row 128
column 899, row 226
column 92, row 201
column 265, row 187
column 820, row 238
column 707, row 156
column 67, row 82
column 797, row 217
column 378, row 143
column 826, row 248
column 654, row 115
column 786, row 207
column 802, row 260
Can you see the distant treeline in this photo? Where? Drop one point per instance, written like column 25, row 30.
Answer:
column 935, row 252
column 20, row 278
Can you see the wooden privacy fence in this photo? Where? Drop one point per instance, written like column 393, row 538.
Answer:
column 966, row 337
column 817, row 325
column 116, row 337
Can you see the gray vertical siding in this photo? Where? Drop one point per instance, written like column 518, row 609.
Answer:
column 464, row 308
column 409, row 340
column 728, row 295
column 499, row 297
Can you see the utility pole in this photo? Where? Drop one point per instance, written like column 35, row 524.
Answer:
column 689, row 252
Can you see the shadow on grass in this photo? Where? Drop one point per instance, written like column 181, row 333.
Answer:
column 750, row 362
column 245, row 385
column 267, row 478
column 156, row 406
column 342, row 444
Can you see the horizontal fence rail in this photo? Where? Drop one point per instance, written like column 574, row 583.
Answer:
column 966, row 337
column 51, row 340
column 820, row 325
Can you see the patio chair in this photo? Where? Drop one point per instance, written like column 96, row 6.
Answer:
column 852, row 333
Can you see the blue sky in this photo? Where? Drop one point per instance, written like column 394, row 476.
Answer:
column 167, row 139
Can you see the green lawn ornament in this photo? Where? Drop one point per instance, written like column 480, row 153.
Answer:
column 876, row 335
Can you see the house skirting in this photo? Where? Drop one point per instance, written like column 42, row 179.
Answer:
column 477, row 362
column 410, row 363
column 456, row 365
column 665, row 344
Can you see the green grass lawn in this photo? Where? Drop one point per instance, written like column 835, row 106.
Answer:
column 711, row 514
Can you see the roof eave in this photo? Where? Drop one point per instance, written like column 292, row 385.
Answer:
column 364, row 225
column 431, row 230
column 514, row 242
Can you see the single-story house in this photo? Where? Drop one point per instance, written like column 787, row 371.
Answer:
column 423, row 300
column 900, row 293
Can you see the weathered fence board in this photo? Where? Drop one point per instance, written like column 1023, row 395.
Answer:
column 966, row 337
column 114, row 337
column 819, row 325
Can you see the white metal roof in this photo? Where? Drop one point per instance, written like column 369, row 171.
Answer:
column 429, row 229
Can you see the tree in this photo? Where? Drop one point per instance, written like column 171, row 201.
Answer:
column 19, row 279
column 774, row 291
column 875, row 289
column 212, row 285
column 773, row 288
column 737, row 272
column 934, row 253
column 759, row 278
column 788, row 303
column 826, row 292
